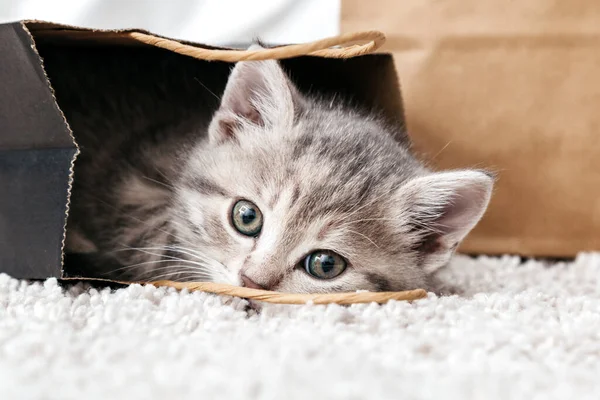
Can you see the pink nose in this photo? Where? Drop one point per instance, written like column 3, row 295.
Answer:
column 249, row 283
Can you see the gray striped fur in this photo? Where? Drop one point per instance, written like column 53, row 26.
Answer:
column 149, row 198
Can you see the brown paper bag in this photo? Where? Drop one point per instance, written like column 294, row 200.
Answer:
column 513, row 87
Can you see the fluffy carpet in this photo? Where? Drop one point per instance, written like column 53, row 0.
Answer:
column 523, row 331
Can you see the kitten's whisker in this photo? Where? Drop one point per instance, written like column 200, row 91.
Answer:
column 141, row 221
column 207, row 89
column 161, row 173
column 207, row 263
column 375, row 219
column 332, row 100
column 155, row 167
column 153, row 262
column 180, row 270
column 189, row 252
column 197, row 255
column 354, row 211
column 420, row 225
column 137, row 265
column 173, row 269
column 177, row 223
column 177, row 268
column 177, row 272
column 173, row 274
column 204, row 265
column 140, row 249
column 193, row 278
column 365, row 220
column 365, row 236
column 170, row 187
column 199, row 262
column 441, row 151
column 160, row 255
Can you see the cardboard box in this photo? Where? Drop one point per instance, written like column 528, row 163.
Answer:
column 510, row 86
column 38, row 150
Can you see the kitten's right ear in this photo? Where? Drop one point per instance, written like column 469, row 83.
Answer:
column 443, row 207
column 258, row 93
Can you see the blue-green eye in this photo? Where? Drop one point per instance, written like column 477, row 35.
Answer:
column 246, row 218
column 324, row 264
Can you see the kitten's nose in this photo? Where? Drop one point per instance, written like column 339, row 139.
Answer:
column 249, row 283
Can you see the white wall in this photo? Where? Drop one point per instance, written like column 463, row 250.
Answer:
column 217, row 22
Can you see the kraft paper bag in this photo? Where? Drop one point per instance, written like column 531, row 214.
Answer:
column 513, row 87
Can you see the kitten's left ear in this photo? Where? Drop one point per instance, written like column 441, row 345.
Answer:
column 259, row 93
column 442, row 208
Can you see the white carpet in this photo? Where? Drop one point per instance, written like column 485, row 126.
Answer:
column 524, row 331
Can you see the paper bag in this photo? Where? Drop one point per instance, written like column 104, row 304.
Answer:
column 512, row 87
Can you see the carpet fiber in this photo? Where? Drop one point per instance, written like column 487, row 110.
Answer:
column 523, row 331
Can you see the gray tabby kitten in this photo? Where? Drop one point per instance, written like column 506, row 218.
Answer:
column 264, row 187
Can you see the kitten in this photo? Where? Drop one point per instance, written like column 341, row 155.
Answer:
column 264, row 187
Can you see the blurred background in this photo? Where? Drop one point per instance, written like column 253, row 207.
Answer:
column 232, row 23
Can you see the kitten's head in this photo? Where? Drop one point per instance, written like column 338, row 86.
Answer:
column 294, row 194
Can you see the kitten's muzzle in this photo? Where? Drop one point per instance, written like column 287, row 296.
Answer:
column 249, row 283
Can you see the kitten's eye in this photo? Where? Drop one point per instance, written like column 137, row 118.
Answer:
column 247, row 218
column 324, row 264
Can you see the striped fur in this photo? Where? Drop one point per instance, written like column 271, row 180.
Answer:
column 154, row 200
